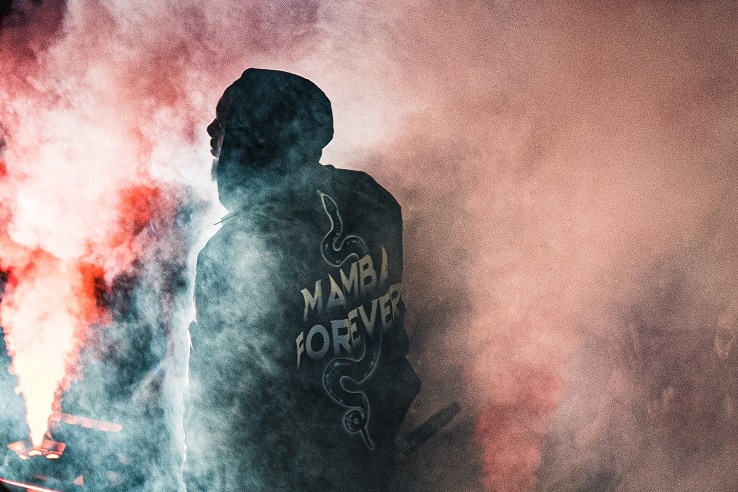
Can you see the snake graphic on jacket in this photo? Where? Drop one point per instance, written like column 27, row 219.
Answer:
column 343, row 378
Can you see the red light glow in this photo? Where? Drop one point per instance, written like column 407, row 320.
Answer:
column 56, row 298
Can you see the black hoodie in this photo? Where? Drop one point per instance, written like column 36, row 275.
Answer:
column 298, row 375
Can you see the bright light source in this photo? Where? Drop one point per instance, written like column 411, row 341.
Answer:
column 49, row 448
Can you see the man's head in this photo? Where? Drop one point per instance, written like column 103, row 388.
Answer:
column 268, row 120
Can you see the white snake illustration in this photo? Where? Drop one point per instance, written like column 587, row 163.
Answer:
column 336, row 250
column 344, row 377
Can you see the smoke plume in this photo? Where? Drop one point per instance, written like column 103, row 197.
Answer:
column 566, row 173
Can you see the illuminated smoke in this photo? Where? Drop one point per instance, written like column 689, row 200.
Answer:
column 552, row 156
column 106, row 175
column 545, row 155
column 53, row 298
column 77, row 191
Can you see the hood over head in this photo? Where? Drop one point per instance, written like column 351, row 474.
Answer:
column 273, row 123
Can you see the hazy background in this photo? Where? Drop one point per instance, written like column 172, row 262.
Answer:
column 567, row 172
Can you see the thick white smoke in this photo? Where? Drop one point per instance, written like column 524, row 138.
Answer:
column 546, row 156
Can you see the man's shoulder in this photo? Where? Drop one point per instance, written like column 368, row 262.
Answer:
column 364, row 185
column 235, row 240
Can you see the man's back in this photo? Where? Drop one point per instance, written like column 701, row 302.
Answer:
column 298, row 374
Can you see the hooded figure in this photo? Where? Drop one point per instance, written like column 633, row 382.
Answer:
column 298, row 372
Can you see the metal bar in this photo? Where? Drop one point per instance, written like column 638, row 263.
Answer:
column 431, row 426
column 26, row 486
column 86, row 422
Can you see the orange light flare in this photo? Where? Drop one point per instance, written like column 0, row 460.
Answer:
column 88, row 183
column 47, row 305
column 50, row 303
column 59, row 250
column 64, row 236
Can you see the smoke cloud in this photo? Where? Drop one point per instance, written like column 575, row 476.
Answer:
column 566, row 174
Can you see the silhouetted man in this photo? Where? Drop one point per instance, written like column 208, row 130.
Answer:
column 298, row 376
